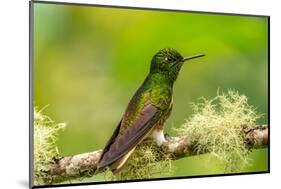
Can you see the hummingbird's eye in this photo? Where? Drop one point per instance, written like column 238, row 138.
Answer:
column 168, row 59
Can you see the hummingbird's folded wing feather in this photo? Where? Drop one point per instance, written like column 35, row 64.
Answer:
column 111, row 140
column 119, row 146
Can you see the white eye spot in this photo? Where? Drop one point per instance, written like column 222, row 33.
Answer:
column 168, row 59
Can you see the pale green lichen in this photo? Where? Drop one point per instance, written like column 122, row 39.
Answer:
column 146, row 162
column 45, row 149
column 216, row 127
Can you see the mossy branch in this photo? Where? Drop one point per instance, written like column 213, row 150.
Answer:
column 224, row 127
column 81, row 165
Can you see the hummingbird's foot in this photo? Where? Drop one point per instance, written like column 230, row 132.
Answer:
column 158, row 136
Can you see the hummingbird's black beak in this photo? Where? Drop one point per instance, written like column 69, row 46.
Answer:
column 192, row 57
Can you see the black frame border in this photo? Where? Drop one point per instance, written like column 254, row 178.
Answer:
column 31, row 105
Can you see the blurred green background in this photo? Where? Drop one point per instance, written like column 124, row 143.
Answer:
column 88, row 62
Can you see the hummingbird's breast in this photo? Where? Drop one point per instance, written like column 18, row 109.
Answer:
column 160, row 124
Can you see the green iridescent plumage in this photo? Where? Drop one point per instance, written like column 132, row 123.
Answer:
column 147, row 110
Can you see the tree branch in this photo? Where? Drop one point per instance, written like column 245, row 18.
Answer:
column 81, row 165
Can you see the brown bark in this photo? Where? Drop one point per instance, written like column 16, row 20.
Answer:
column 82, row 165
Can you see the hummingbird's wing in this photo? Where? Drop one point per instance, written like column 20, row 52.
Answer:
column 120, row 146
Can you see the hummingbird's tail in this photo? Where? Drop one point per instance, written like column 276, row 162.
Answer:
column 117, row 165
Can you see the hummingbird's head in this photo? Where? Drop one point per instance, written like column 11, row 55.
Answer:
column 169, row 62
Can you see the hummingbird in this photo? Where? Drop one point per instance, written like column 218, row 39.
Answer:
column 147, row 110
